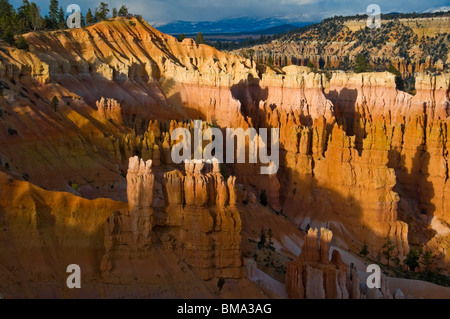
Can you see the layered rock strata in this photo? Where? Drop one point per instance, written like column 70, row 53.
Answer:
column 128, row 232
column 201, row 210
column 200, row 220
column 110, row 109
column 313, row 276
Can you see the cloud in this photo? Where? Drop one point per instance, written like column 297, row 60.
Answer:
column 210, row 10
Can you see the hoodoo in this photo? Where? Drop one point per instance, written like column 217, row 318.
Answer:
column 88, row 177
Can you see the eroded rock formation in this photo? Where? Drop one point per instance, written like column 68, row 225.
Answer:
column 335, row 43
column 201, row 221
column 356, row 154
column 313, row 276
column 128, row 232
column 201, row 210
column 110, row 109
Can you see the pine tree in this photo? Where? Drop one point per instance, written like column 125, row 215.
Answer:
column 8, row 20
column 388, row 249
column 82, row 20
column 199, row 39
column 364, row 250
column 427, row 260
column 6, row 9
column 262, row 239
column 8, row 35
column 181, row 37
column 123, row 11
column 412, row 259
column 35, row 16
column 53, row 14
column 101, row 12
column 23, row 16
column 61, row 18
column 114, row 13
column 55, row 102
column 361, row 64
column 22, row 43
column 89, row 17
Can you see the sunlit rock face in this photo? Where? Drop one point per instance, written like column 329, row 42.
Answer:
column 357, row 156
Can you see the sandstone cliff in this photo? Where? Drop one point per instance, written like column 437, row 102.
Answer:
column 411, row 45
column 411, row 129
column 356, row 155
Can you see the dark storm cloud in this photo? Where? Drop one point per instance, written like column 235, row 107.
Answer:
column 158, row 11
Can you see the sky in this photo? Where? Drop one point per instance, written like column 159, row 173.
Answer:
column 158, row 12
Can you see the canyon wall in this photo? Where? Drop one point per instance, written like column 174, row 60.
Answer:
column 410, row 45
column 335, row 56
column 363, row 160
column 45, row 231
column 197, row 225
column 356, row 155
column 414, row 129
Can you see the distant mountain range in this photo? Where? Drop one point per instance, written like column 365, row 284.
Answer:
column 235, row 25
column 440, row 9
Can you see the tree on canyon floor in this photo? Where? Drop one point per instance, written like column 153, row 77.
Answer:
column 55, row 102
column 364, row 250
column 427, row 260
column 262, row 239
column 388, row 251
column 412, row 259
column 418, row 265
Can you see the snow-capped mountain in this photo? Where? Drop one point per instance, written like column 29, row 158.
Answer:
column 439, row 9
